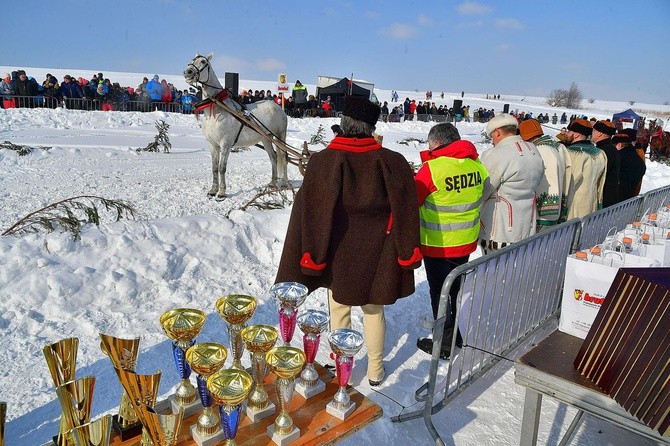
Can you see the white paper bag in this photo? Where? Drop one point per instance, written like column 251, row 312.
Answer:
column 586, row 285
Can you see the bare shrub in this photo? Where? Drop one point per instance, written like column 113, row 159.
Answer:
column 570, row 98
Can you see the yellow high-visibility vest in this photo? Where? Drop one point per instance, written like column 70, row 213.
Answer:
column 450, row 216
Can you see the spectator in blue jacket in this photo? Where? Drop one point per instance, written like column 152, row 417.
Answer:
column 155, row 89
column 70, row 92
column 187, row 100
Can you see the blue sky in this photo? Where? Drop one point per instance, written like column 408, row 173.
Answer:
column 616, row 50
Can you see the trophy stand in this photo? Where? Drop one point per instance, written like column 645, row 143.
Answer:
column 182, row 326
column 289, row 295
column 259, row 339
column 285, row 362
column 345, row 343
column 312, row 323
column 206, row 359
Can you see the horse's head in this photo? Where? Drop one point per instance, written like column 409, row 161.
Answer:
column 199, row 70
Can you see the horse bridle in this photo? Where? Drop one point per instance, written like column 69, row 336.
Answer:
column 198, row 71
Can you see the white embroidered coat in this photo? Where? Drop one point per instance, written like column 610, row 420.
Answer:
column 515, row 170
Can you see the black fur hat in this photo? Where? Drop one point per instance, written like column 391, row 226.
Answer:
column 361, row 109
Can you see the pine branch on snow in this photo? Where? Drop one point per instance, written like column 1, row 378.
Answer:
column 70, row 215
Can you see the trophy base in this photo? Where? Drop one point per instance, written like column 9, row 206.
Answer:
column 339, row 413
column 209, row 440
column 257, row 415
column 189, row 409
column 283, row 440
column 308, row 392
column 126, row 432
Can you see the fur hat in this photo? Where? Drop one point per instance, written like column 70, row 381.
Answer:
column 581, row 126
column 501, row 120
column 621, row 137
column 361, row 109
column 632, row 134
column 529, row 129
column 605, row 127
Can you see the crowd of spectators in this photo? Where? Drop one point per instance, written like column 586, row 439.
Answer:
column 101, row 93
column 97, row 93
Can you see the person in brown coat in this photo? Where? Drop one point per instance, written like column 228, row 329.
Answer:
column 354, row 228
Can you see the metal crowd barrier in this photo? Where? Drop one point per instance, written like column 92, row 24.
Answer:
column 596, row 225
column 504, row 298
column 93, row 104
column 655, row 199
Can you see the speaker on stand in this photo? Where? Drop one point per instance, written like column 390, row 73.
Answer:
column 232, row 83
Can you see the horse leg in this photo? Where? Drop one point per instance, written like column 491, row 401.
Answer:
column 282, row 164
column 223, row 163
column 278, row 176
column 215, row 152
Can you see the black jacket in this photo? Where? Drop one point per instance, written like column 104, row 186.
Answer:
column 611, row 191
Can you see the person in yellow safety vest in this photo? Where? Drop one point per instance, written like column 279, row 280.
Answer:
column 449, row 185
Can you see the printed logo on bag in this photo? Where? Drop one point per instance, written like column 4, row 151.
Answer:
column 588, row 299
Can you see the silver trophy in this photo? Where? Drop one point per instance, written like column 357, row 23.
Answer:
column 345, row 343
column 289, row 295
column 312, row 323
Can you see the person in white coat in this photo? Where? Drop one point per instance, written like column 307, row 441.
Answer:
column 515, row 170
column 552, row 193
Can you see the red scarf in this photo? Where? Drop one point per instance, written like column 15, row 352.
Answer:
column 355, row 145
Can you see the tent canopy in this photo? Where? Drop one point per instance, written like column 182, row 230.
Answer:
column 339, row 90
column 627, row 116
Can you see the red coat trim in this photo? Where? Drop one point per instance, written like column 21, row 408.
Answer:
column 307, row 262
column 416, row 257
column 355, row 145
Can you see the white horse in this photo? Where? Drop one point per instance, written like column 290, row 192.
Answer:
column 224, row 131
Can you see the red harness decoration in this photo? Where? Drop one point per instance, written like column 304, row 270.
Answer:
column 210, row 104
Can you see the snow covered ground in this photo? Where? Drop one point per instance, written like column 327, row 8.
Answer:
column 185, row 250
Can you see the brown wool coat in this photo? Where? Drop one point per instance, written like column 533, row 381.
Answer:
column 340, row 219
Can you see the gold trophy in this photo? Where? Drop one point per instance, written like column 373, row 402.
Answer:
column 3, row 412
column 142, row 390
column 285, row 362
column 182, row 326
column 159, row 429
column 229, row 388
column 76, row 400
column 123, row 354
column 345, row 343
column 205, row 359
column 95, row 433
column 61, row 359
column 289, row 295
column 236, row 309
column 259, row 339
column 312, row 323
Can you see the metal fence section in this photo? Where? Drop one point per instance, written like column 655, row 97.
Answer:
column 504, row 298
column 94, row 104
column 596, row 225
column 655, row 199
